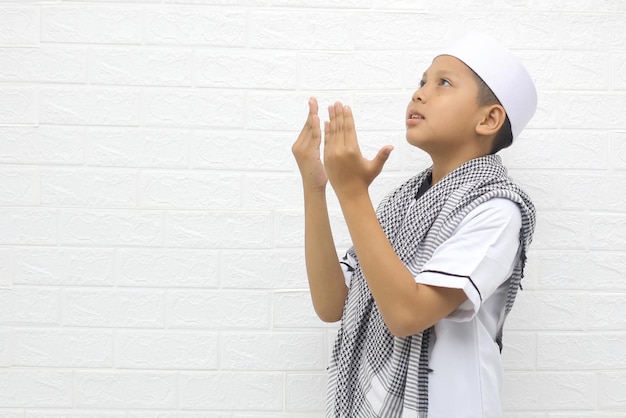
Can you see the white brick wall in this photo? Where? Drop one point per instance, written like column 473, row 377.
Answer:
column 151, row 216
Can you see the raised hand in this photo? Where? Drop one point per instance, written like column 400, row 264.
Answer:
column 348, row 171
column 306, row 150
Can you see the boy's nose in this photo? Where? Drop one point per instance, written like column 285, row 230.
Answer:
column 418, row 95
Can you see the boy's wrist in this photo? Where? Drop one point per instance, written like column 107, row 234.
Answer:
column 354, row 202
column 352, row 193
column 314, row 189
column 317, row 192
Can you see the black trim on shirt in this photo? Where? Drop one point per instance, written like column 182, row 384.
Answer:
column 456, row 275
column 349, row 268
column 344, row 261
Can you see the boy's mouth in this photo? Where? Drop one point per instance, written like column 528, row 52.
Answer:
column 415, row 115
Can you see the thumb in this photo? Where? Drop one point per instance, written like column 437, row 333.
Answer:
column 381, row 158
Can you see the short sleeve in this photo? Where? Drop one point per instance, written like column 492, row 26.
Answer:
column 348, row 265
column 478, row 257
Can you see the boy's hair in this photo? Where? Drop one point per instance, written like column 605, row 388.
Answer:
column 486, row 97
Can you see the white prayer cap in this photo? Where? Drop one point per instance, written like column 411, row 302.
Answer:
column 503, row 72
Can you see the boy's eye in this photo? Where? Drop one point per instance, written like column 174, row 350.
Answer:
column 422, row 82
column 444, row 82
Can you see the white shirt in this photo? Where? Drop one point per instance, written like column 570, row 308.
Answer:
column 478, row 258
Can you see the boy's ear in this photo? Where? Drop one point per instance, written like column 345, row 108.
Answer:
column 492, row 118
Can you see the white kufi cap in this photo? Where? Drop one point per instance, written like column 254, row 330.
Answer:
column 503, row 72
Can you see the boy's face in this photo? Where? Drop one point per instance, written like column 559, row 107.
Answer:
column 443, row 112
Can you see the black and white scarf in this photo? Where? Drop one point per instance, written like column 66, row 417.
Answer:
column 365, row 352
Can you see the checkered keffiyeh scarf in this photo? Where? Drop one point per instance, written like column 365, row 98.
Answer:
column 372, row 373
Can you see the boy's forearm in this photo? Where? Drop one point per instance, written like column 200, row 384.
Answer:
column 391, row 283
column 326, row 279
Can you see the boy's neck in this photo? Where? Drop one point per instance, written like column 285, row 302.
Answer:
column 448, row 158
column 446, row 165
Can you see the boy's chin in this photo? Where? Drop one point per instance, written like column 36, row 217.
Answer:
column 417, row 141
column 426, row 144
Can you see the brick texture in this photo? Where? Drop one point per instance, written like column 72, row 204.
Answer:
column 151, row 214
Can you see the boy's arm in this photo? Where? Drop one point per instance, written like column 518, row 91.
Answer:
column 406, row 307
column 326, row 279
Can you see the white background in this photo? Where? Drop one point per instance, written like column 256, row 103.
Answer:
column 151, row 225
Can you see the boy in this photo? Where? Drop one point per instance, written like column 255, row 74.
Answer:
column 423, row 293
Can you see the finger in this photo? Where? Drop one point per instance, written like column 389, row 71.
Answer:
column 381, row 158
column 327, row 135
column 310, row 136
column 313, row 121
column 331, row 118
column 348, row 126
column 339, row 121
column 312, row 106
column 315, row 129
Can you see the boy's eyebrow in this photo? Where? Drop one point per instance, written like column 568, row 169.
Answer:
column 441, row 73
